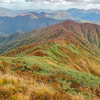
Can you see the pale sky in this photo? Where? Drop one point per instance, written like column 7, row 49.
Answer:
column 50, row 4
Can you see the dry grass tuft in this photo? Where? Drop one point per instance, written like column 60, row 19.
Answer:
column 12, row 86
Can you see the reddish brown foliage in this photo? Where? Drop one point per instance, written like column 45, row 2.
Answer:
column 36, row 49
column 20, row 49
column 69, row 31
column 19, row 66
column 2, row 69
column 40, row 54
column 56, row 96
column 84, row 89
column 35, row 67
column 20, row 72
column 97, row 93
column 16, row 61
column 30, row 52
column 73, row 85
column 5, row 64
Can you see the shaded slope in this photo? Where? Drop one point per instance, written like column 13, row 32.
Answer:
column 24, row 23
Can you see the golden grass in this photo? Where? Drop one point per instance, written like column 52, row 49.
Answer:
column 12, row 86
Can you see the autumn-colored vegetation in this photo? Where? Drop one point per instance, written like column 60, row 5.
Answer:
column 85, row 34
column 55, row 67
column 27, row 86
column 63, row 64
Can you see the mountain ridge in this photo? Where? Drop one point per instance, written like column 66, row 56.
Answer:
column 66, row 30
column 65, row 56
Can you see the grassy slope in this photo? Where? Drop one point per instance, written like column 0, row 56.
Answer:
column 69, row 61
column 63, row 66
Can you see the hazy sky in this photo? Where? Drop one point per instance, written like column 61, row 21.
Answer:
column 50, row 4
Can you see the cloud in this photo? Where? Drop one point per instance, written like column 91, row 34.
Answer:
column 51, row 1
column 77, row 1
column 50, row 4
column 12, row 1
column 84, row 1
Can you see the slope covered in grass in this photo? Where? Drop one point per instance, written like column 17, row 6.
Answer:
column 63, row 66
column 65, row 57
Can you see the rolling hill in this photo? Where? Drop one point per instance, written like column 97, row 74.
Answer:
column 83, row 36
column 66, row 30
column 58, row 62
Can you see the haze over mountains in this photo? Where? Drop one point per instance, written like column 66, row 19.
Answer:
column 73, row 13
column 12, row 21
column 11, row 13
column 24, row 23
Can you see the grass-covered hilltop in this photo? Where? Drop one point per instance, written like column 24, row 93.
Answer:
column 58, row 62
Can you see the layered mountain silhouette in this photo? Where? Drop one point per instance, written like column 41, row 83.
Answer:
column 75, row 14
column 12, row 21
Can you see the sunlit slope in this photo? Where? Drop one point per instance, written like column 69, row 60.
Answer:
column 76, row 57
column 72, row 32
column 63, row 58
column 65, row 67
column 72, row 44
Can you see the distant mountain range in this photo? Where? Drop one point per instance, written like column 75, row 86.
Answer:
column 27, row 21
column 89, row 15
column 73, row 13
column 12, row 21
column 9, row 25
column 11, row 13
